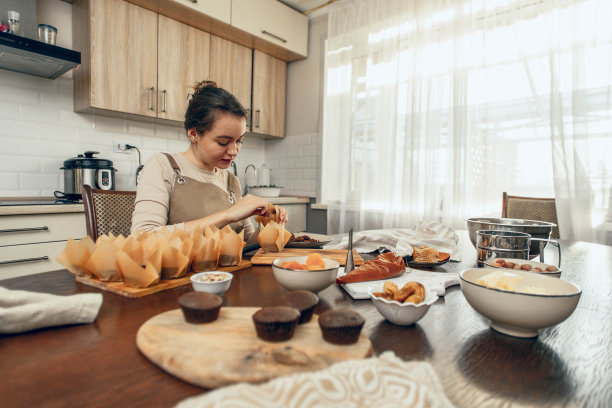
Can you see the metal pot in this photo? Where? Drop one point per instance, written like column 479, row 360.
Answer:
column 87, row 169
column 536, row 229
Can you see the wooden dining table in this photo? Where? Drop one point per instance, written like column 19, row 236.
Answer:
column 99, row 364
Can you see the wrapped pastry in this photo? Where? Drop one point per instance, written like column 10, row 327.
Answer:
column 174, row 262
column 133, row 275
column 76, row 254
column 206, row 255
column 384, row 266
column 133, row 247
column 103, row 261
column 230, row 253
column 273, row 237
column 150, row 246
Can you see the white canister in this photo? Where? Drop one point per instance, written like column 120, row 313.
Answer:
column 263, row 176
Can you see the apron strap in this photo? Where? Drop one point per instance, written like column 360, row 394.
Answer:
column 176, row 168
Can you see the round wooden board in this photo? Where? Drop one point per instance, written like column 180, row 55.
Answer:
column 228, row 350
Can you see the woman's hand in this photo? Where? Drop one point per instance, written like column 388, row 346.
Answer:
column 283, row 215
column 253, row 205
column 247, row 206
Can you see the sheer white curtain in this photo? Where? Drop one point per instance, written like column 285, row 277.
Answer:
column 433, row 108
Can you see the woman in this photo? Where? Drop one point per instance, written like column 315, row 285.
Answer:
column 194, row 188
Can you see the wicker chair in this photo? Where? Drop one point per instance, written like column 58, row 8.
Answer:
column 530, row 208
column 108, row 211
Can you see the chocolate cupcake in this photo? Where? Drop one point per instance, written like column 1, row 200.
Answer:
column 341, row 326
column 276, row 323
column 200, row 307
column 303, row 300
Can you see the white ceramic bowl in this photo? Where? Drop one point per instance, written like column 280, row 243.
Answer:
column 266, row 192
column 520, row 314
column 217, row 288
column 555, row 274
column 402, row 313
column 314, row 281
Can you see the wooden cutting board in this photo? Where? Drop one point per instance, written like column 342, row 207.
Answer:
column 263, row 257
column 120, row 288
column 228, row 350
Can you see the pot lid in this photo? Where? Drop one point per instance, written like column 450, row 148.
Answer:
column 87, row 161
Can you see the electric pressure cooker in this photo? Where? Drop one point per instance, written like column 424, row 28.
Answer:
column 86, row 169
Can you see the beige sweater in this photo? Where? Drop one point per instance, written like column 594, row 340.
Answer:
column 156, row 184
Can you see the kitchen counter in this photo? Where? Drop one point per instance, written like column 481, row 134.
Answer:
column 50, row 205
column 99, row 364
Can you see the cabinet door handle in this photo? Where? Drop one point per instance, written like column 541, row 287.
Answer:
column 194, row 1
column 152, row 91
column 45, row 228
column 281, row 39
column 165, row 93
column 14, row 261
column 257, row 114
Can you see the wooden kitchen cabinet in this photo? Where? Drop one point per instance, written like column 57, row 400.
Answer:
column 183, row 60
column 230, row 67
column 269, row 87
column 118, row 45
column 218, row 9
column 30, row 243
column 135, row 62
column 272, row 21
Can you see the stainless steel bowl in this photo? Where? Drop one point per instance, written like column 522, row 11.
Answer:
column 537, row 229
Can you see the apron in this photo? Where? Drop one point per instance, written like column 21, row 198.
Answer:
column 191, row 199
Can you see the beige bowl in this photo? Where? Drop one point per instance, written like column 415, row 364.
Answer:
column 520, row 314
column 314, row 281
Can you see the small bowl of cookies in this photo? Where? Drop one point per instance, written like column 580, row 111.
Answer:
column 525, row 265
column 403, row 305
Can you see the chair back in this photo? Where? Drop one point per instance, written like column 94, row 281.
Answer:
column 531, row 208
column 108, row 211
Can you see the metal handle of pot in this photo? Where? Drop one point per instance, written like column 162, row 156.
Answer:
column 543, row 243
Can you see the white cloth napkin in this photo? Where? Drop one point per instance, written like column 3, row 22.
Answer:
column 22, row 311
column 429, row 233
column 378, row 381
column 437, row 282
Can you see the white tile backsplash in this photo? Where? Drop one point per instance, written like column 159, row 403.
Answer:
column 39, row 130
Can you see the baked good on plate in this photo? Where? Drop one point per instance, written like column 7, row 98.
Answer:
column 384, row 266
column 200, row 307
column 276, row 323
column 303, row 300
column 341, row 326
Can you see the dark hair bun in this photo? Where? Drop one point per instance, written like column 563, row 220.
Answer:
column 199, row 86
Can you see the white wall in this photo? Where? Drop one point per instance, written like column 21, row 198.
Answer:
column 295, row 159
column 39, row 130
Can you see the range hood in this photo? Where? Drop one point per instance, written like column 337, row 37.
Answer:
column 33, row 57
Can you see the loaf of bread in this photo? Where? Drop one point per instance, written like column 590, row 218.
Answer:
column 384, row 266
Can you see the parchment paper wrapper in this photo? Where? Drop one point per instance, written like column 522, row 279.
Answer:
column 273, row 237
column 274, row 216
column 76, row 254
column 103, row 262
column 231, row 246
column 206, row 257
column 133, row 275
